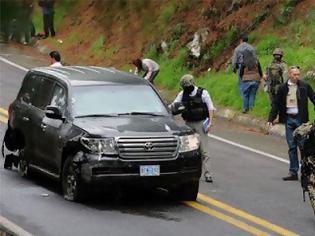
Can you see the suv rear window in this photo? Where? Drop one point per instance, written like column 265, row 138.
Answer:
column 113, row 99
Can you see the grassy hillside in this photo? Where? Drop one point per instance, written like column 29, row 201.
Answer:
column 113, row 32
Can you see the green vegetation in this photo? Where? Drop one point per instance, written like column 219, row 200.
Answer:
column 218, row 47
column 167, row 13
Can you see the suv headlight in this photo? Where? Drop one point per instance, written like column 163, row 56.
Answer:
column 189, row 142
column 105, row 146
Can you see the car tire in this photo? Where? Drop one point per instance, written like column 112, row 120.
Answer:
column 186, row 192
column 72, row 186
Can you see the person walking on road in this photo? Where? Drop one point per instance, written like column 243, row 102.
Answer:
column 55, row 59
column 248, row 69
column 291, row 104
column 198, row 106
column 48, row 16
column 151, row 68
column 276, row 73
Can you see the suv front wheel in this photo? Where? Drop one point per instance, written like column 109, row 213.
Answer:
column 71, row 184
column 186, row 192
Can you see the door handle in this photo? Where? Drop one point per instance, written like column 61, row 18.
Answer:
column 24, row 118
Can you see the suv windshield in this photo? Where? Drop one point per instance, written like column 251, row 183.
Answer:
column 116, row 99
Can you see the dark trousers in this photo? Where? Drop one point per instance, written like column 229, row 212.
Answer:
column 290, row 126
column 49, row 24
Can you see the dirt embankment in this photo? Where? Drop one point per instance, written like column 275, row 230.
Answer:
column 113, row 32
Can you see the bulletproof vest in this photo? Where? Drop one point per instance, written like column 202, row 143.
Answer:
column 275, row 73
column 195, row 108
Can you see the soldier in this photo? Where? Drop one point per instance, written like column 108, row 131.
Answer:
column 306, row 134
column 276, row 73
column 198, row 106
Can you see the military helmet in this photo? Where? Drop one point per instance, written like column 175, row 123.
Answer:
column 278, row 51
column 187, row 80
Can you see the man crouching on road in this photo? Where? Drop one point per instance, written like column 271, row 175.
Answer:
column 197, row 107
column 291, row 103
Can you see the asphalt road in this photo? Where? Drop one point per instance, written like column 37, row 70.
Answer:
column 247, row 197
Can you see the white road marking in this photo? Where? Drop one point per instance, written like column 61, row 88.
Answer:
column 249, row 148
column 13, row 64
column 12, row 228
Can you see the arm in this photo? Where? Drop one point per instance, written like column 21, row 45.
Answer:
column 149, row 68
column 260, row 70
column 207, row 99
column 234, row 61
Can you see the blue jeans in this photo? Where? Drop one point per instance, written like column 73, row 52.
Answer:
column 248, row 92
column 290, row 125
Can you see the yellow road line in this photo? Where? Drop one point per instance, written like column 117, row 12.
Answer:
column 3, row 119
column 226, row 218
column 246, row 215
column 3, row 111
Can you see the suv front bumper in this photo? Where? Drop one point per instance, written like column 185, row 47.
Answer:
column 185, row 168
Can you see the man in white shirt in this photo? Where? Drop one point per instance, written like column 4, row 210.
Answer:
column 198, row 107
column 291, row 104
column 150, row 68
column 55, row 59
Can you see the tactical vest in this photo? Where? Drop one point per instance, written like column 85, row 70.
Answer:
column 195, row 108
column 275, row 74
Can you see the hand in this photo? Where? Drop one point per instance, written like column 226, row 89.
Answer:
column 209, row 128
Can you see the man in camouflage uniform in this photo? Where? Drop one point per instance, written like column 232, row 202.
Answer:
column 276, row 73
column 306, row 134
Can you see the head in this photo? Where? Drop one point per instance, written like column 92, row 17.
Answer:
column 138, row 63
column 278, row 54
column 294, row 74
column 187, row 83
column 54, row 56
column 243, row 38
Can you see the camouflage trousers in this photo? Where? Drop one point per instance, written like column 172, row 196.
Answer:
column 308, row 178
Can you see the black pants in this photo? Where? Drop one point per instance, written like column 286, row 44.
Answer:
column 49, row 24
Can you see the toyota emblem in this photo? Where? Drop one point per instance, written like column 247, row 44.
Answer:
column 148, row 146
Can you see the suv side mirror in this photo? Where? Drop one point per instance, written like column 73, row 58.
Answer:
column 53, row 112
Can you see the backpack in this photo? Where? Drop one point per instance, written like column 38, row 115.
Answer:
column 249, row 58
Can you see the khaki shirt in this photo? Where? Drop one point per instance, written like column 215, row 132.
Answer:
column 292, row 105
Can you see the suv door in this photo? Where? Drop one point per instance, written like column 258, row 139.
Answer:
column 54, row 130
column 36, row 115
column 21, row 107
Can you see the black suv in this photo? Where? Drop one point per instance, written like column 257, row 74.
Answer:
column 88, row 126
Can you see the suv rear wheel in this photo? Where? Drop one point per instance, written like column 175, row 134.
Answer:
column 71, row 184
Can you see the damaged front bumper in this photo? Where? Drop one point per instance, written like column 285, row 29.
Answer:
column 108, row 170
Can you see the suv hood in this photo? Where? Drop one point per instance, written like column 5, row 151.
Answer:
column 129, row 125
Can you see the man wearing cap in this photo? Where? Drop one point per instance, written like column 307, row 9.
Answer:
column 291, row 103
column 198, row 106
column 55, row 59
column 276, row 73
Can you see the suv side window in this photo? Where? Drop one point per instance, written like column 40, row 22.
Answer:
column 59, row 97
column 43, row 94
column 29, row 87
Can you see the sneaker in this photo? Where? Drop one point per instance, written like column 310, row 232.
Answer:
column 291, row 178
